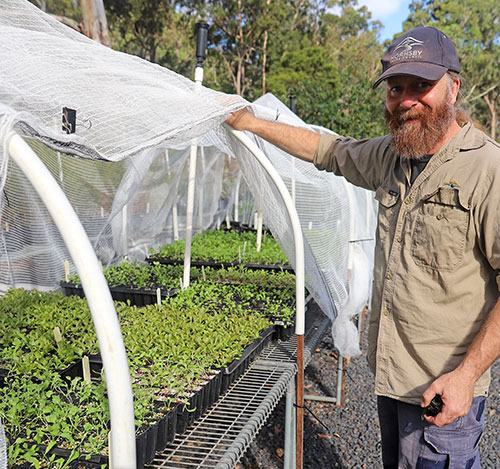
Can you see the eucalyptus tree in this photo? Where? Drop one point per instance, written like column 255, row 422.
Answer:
column 474, row 26
column 67, row 12
column 352, row 38
column 161, row 31
column 246, row 38
column 341, row 65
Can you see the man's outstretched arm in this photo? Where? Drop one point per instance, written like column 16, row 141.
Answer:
column 297, row 141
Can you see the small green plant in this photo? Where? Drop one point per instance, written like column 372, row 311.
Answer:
column 28, row 319
column 52, row 411
column 227, row 247
column 139, row 276
column 172, row 349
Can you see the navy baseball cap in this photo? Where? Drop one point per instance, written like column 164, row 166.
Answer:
column 423, row 52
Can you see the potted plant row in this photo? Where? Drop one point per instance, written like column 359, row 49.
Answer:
column 140, row 283
column 225, row 248
column 143, row 283
column 270, row 292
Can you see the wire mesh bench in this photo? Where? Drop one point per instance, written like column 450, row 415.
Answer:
column 221, row 437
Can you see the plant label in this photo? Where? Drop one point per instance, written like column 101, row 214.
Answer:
column 66, row 270
column 109, row 451
column 57, row 334
column 86, row 369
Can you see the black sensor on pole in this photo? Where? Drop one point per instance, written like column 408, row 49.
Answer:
column 292, row 104
column 201, row 43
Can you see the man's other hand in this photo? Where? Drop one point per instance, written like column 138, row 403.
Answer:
column 456, row 393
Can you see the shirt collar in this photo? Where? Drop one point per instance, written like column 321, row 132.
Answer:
column 470, row 138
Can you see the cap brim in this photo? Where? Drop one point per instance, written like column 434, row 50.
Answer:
column 424, row 70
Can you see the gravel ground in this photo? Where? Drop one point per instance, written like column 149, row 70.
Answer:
column 353, row 437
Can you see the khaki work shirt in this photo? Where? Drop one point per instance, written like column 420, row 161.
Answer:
column 437, row 255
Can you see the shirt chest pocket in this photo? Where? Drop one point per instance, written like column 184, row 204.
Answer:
column 388, row 203
column 440, row 232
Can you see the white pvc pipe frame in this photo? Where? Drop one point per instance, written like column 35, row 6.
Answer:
column 297, row 235
column 99, row 299
column 296, row 228
column 198, row 80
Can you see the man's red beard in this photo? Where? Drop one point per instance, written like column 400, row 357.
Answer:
column 412, row 140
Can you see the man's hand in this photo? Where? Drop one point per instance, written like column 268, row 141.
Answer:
column 456, row 393
column 239, row 120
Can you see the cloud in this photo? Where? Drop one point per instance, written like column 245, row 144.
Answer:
column 382, row 9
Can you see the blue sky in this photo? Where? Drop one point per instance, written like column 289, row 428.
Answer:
column 391, row 13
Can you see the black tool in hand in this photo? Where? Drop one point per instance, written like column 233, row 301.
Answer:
column 434, row 407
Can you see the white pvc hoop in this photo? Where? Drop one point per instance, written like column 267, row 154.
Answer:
column 123, row 454
column 296, row 228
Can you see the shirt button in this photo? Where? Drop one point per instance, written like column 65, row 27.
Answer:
column 386, row 312
column 388, row 276
column 439, row 216
column 408, row 200
column 399, row 239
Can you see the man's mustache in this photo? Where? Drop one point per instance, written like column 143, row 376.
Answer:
column 400, row 116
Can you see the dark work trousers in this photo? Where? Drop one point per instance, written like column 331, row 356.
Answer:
column 409, row 442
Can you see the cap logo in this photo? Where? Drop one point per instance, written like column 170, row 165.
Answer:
column 408, row 53
column 409, row 43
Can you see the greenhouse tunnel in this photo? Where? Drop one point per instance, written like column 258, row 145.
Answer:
column 123, row 168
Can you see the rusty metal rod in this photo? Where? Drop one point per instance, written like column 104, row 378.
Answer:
column 300, row 401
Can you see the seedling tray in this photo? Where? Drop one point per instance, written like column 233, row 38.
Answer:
column 220, row 265
column 235, row 369
column 285, row 330
column 145, row 451
column 136, row 297
column 183, row 414
column 76, row 369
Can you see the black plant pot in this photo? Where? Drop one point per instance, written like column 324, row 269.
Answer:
column 166, row 429
column 187, row 412
column 3, row 374
column 136, row 297
column 76, row 369
column 236, row 368
column 214, row 388
column 284, row 331
column 151, row 441
column 220, row 265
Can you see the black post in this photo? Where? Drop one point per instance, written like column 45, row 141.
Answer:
column 292, row 104
column 201, row 43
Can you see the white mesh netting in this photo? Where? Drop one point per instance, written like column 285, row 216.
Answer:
column 125, row 168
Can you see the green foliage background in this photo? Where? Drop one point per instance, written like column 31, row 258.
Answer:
column 324, row 52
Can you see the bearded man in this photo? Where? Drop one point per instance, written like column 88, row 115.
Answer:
column 435, row 322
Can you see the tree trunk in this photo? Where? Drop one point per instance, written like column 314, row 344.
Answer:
column 264, row 62
column 68, row 22
column 493, row 112
column 42, row 4
column 264, row 55
column 94, row 24
column 241, row 67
